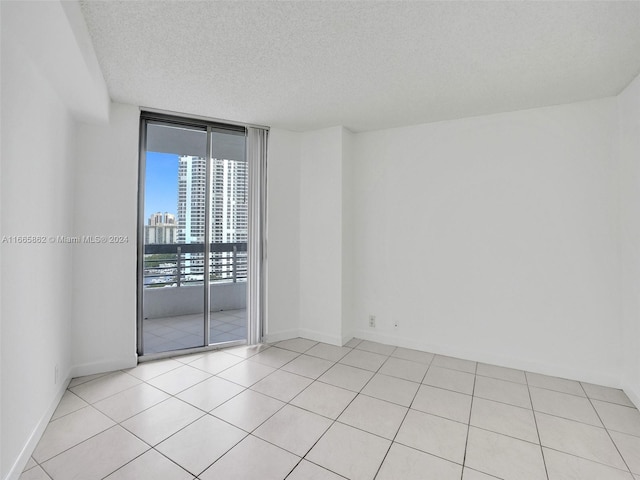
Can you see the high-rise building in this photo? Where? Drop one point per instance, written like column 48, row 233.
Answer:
column 229, row 205
column 229, row 202
column 162, row 219
column 161, row 228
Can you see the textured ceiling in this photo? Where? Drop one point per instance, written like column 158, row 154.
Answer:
column 363, row 64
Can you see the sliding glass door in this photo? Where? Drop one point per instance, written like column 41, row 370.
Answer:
column 194, row 232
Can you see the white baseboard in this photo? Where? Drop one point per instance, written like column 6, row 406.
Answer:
column 280, row 336
column 633, row 392
column 598, row 378
column 104, row 366
column 27, row 450
column 321, row 337
column 305, row 333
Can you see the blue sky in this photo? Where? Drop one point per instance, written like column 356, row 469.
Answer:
column 161, row 183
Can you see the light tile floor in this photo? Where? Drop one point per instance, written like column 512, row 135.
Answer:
column 185, row 331
column 305, row 410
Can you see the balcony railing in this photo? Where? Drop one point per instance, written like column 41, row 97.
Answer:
column 182, row 264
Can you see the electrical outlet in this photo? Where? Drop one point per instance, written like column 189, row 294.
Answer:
column 56, row 374
column 372, row 321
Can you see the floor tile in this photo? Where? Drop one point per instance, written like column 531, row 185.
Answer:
column 162, row 420
column 328, row 352
column 391, row 389
column 618, row 417
column 324, row 399
column 247, row 410
column 502, row 391
column 307, row 366
column 505, row 457
column 555, row 383
column 147, row 370
column 35, row 473
column 97, row 457
column 294, row 429
column 69, row 403
column 501, row 373
column 413, row 355
column 130, row 402
column 505, row 419
column 274, row 357
column 362, row 359
column 405, row 369
column 354, row 342
column 79, row 380
column 450, row 379
column 586, row 441
column 201, row 443
column 105, row 386
column 282, row 385
column 251, row 431
column 252, row 458
column 606, row 394
column 444, row 403
column 67, row 431
column 435, row 435
column 375, row 347
column 247, row 351
column 374, row 416
column 186, row 359
column 180, row 379
column 469, row 474
column 246, row 373
column 211, row 393
column 344, row 376
column 215, row 362
column 150, row 466
column 299, row 345
column 31, row 463
column 310, row 471
column 350, row 452
column 561, row 466
column 409, row 464
column 454, row 363
column 629, row 448
column 564, row 405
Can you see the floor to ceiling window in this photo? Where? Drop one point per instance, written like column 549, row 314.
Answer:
column 200, row 246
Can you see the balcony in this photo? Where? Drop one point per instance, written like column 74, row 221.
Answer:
column 173, row 295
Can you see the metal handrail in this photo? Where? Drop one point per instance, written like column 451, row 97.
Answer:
column 182, row 264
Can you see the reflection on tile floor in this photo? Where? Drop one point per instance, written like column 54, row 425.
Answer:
column 185, row 331
column 300, row 409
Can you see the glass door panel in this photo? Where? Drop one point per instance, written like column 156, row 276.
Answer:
column 229, row 234
column 175, row 200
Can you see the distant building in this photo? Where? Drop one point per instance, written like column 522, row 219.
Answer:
column 229, row 207
column 162, row 219
column 229, row 203
column 161, row 228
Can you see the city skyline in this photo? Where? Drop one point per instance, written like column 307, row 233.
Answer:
column 175, row 187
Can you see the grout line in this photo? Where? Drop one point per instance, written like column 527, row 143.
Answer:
column 333, row 421
column 535, row 421
column 608, row 433
column 403, row 418
column 466, row 442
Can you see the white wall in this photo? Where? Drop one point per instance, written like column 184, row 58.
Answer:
column 494, row 238
column 104, row 275
column 283, row 245
column 348, row 246
column 321, row 235
column 37, row 197
column 629, row 118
